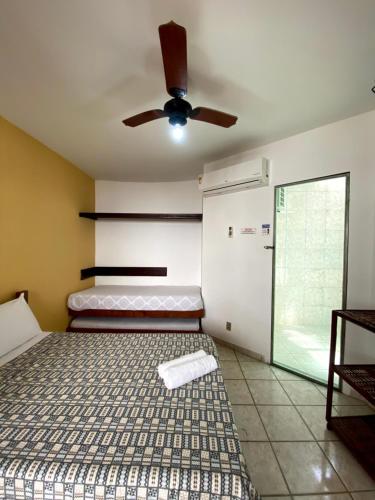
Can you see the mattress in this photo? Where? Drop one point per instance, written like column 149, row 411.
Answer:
column 137, row 298
column 86, row 416
column 97, row 322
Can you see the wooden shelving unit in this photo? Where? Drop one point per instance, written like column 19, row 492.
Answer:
column 357, row 432
column 140, row 216
column 89, row 272
column 133, row 271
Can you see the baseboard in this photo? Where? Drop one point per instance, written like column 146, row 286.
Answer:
column 238, row 348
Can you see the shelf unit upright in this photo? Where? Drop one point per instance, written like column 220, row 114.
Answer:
column 357, row 432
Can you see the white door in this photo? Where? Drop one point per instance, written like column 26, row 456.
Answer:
column 237, row 270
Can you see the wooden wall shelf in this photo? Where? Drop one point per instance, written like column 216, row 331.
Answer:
column 122, row 271
column 140, row 216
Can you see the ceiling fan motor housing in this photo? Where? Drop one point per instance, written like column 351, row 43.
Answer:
column 177, row 110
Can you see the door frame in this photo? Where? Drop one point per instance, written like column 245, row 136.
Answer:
column 345, row 270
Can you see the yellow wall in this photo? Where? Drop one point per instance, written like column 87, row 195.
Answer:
column 43, row 241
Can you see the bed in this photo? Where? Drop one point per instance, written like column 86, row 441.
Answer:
column 86, row 416
column 98, row 324
column 158, row 308
column 133, row 301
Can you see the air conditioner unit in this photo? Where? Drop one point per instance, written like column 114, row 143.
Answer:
column 245, row 175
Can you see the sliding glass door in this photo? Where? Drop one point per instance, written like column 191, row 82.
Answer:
column 309, row 272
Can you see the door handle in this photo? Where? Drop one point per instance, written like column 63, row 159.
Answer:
column 269, row 247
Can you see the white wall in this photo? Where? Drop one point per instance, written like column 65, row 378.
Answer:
column 175, row 245
column 237, row 271
column 345, row 146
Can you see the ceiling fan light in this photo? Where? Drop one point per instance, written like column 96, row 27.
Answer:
column 177, row 132
column 177, row 119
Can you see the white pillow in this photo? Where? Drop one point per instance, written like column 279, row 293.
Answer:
column 17, row 324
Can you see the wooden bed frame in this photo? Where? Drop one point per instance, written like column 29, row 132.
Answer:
column 109, row 313
column 25, row 294
column 127, row 330
column 118, row 313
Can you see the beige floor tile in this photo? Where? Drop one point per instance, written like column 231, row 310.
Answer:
column 283, row 423
column 281, row 497
column 268, row 392
column 284, row 375
column 350, row 471
column 346, row 411
column 249, row 425
column 306, row 468
column 315, row 418
column 245, row 358
column 303, row 392
column 257, row 371
column 364, row 495
column 341, row 399
column 226, row 353
column 263, row 468
column 332, row 496
column 231, row 370
column 238, row 392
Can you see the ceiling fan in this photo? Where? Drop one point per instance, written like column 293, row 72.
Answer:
column 177, row 110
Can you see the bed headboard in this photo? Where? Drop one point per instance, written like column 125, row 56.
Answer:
column 25, row 294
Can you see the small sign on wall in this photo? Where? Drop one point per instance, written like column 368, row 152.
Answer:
column 248, row 230
column 266, row 229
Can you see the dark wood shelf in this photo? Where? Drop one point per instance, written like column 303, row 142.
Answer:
column 361, row 317
column 140, row 216
column 358, row 434
column 360, row 377
column 89, row 272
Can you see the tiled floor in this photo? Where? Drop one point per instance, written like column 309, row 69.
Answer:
column 304, row 349
column 281, row 423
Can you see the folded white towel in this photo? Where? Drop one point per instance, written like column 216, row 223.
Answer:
column 181, row 359
column 180, row 374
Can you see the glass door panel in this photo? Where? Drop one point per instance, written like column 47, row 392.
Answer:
column 309, row 277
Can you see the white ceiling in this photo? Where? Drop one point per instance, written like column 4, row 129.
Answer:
column 71, row 70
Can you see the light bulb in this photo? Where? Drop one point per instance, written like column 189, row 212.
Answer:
column 177, row 132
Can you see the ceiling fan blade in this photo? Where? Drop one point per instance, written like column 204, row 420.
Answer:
column 213, row 116
column 146, row 116
column 173, row 48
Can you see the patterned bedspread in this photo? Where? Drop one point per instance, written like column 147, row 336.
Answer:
column 85, row 416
